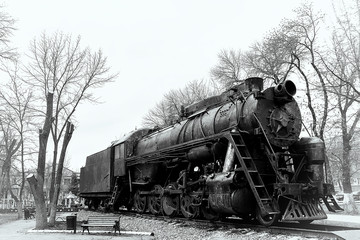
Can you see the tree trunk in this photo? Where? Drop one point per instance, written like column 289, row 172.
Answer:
column 19, row 207
column 54, row 200
column 349, row 203
column 6, row 167
column 22, row 178
column 17, row 201
column 40, row 206
column 328, row 176
column 37, row 184
column 53, row 171
column 52, row 179
column 346, row 168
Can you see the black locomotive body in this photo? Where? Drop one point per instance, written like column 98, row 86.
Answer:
column 238, row 153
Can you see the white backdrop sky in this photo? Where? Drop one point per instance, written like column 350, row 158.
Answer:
column 155, row 46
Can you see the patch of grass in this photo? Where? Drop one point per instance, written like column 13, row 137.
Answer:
column 8, row 217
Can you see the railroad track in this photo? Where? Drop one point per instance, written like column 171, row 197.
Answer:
column 295, row 229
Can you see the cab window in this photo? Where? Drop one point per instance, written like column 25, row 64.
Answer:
column 119, row 151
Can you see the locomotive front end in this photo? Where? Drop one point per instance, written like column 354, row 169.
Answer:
column 268, row 165
column 273, row 112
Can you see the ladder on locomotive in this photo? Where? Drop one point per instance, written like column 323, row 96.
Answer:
column 114, row 193
column 263, row 199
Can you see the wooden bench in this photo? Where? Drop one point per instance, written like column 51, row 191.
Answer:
column 101, row 221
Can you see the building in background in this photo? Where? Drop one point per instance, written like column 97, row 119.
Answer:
column 70, row 183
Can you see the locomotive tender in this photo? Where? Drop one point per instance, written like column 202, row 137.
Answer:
column 237, row 153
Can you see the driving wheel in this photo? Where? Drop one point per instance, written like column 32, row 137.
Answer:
column 154, row 200
column 190, row 205
column 170, row 203
column 139, row 202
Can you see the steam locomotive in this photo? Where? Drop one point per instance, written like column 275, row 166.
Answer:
column 235, row 154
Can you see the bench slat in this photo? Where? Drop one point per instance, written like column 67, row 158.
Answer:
column 99, row 220
column 97, row 225
column 113, row 220
column 100, row 223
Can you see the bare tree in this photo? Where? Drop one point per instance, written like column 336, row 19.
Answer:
column 157, row 116
column 230, row 69
column 6, row 31
column 302, row 35
column 271, row 58
column 37, row 183
column 10, row 146
column 16, row 107
column 346, row 40
column 168, row 110
column 343, row 66
column 65, row 73
column 10, row 143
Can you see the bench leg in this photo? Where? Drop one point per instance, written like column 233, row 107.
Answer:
column 117, row 227
column 87, row 228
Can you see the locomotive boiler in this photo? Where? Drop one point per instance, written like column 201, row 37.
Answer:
column 235, row 154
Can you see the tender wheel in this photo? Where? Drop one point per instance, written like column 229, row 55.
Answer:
column 139, row 202
column 154, row 201
column 267, row 220
column 190, row 205
column 170, row 203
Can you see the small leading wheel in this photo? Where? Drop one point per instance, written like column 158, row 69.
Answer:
column 190, row 205
column 139, row 202
column 170, row 203
column 154, row 201
column 266, row 220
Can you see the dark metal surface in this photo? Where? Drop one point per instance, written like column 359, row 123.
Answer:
column 97, row 176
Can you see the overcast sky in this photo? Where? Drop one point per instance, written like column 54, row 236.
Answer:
column 155, row 46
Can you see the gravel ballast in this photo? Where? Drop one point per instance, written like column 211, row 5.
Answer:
column 181, row 230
